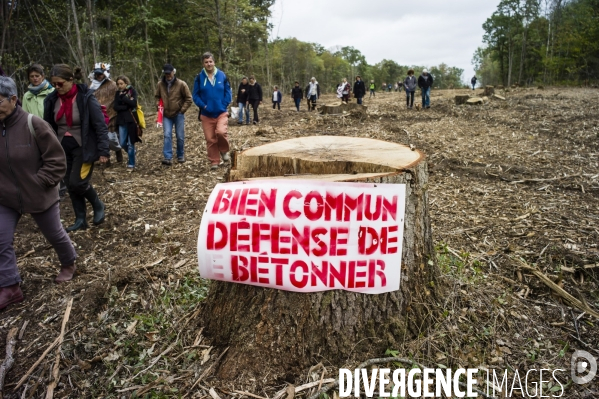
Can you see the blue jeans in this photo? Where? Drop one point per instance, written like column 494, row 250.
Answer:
column 167, row 125
column 244, row 110
column 426, row 96
column 125, row 142
column 298, row 101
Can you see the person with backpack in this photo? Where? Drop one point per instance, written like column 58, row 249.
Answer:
column 176, row 99
column 277, row 97
column 32, row 162
column 76, row 116
column 473, row 81
column 212, row 94
column 425, row 82
column 409, row 84
column 242, row 101
column 38, row 90
column 255, row 98
column 297, row 94
column 125, row 104
column 372, row 89
column 359, row 89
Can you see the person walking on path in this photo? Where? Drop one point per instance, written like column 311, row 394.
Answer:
column 473, row 81
column 372, row 89
column 312, row 93
column 277, row 97
column 104, row 89
column 38, row 90
column 77, row 118
column 212, row 94
column 176, row 99
column 32, row 162
column 255, row 97
column 410, row 85
column 425, row 82
column 297, row 94
column 125, row 104
column 359, row 89
column 242, row 101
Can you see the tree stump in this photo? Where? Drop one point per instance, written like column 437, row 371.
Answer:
column 335, row 109
column 274, row 335
column 499, row 87
column 489, row 91
column 459, row 100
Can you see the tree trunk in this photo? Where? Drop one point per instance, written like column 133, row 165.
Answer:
column 80, row 54
column 274, row 334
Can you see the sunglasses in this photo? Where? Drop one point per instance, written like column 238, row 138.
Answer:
column 58, row 84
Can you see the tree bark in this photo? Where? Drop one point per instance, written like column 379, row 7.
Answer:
column 274, row 334
column 80, row 54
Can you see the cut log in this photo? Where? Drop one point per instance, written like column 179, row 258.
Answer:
column 498, row 97
column 334, row 109
column 460, row 99
column 489, row 91
column 276, row 334
column 475, row 101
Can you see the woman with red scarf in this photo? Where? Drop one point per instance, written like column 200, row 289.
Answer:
column 75, row 114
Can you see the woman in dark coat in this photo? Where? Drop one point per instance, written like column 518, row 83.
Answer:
column 125, row 105
column 75, row 115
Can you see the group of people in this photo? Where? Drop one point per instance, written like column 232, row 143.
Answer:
column 61, row 128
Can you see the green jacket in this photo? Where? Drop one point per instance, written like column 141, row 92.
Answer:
column 35, row 104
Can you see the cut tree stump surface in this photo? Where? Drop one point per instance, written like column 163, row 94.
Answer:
column 323, row 155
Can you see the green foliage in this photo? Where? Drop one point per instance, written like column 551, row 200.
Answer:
column 526, row 44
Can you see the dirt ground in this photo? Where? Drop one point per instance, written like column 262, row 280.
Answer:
column 509, row 180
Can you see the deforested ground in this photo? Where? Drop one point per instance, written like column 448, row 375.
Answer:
column 513, row 184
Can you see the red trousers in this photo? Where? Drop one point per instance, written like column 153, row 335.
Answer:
column 217, row 139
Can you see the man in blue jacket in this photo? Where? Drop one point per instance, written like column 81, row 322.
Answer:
column 212, row 94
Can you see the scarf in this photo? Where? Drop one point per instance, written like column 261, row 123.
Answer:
column 213, row 80
column 169, row 83
column 66, row 105
column 35, row 90
column 95, row 84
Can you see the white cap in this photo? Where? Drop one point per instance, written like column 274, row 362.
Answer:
column 425, row 70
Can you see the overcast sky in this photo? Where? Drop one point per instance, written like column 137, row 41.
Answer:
column 408, row 32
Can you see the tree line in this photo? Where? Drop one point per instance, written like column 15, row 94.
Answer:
column 540, row 41
column 138, row 36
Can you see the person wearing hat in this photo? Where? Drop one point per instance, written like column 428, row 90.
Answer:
column 425, row 82
column 105, row 89
column 176, row 99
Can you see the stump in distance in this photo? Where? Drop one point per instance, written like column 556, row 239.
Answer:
column 274, row 335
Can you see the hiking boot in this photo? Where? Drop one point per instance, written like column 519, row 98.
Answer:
column 119, row 155
column 181, row 159
column 167, row 162
column 66, row 274
column 98, row 205
column 214, row 166
column 226, row 156
column 79, row 208
column 10, row 294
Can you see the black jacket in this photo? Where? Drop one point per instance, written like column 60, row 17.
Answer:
column 94, row 132
column 243, row 97
column 425, row 82
column 125, row 105
column 359, row 89
column 254, row 92
column 297, row 92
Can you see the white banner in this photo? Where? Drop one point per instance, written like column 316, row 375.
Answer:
column 304, row 235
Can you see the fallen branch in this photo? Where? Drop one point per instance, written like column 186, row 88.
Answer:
column 558, row 290
column 542, row 180
column 37, row 363
column 305, row 386
column 9, row 360
column 389, row 360
column 249, row 394
column 56, row 369
column 205, row 373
